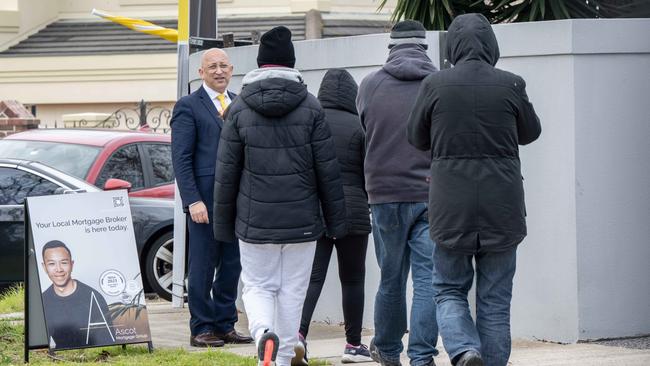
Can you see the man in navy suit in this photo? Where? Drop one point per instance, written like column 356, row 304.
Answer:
column 196, row 127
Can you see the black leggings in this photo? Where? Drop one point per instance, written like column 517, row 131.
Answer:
column 351, row 253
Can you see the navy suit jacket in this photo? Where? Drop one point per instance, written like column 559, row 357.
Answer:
column 196, row 128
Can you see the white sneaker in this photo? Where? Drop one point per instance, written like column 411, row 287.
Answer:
column 355, row 354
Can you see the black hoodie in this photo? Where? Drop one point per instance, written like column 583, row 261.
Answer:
column 472, row 117
column 276, row 165
column 337, row 94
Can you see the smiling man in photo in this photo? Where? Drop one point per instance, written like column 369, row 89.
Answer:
column 76, row 314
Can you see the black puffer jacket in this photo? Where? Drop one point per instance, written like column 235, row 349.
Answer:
column 276, row 164
column 337, row 95
column 473, row 117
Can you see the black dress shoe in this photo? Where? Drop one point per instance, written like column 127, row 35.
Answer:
column 234, row 337
column 207, row 339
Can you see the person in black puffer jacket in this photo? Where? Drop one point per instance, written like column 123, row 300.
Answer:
column 276, row 168
column 337, row 95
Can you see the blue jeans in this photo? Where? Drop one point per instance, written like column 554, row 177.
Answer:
column 453, row 274
column 401, row 233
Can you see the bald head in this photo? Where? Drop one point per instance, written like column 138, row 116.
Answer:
column 213, row 52
column 216, row 69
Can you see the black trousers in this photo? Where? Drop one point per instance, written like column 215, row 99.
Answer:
column 351, row 253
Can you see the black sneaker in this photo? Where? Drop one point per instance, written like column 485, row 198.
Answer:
column 470, row 358
column 300, row 350
column 267, row 349
column 376, row 356
column 354, row 354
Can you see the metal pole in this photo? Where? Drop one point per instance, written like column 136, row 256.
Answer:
column 183, row 48
column 178, row 274
column 198, row 20
column 143, row 112
column 27, row 252
column 442, row 49
column 202, row 18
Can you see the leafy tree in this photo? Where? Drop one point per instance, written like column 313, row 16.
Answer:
column 438, row 14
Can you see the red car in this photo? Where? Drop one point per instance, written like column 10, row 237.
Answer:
column 142, row 159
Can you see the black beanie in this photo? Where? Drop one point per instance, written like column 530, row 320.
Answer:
column 276, row 48
column 408, row 32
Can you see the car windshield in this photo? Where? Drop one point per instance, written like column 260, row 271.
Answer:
column 66, row 179
column 70, row 158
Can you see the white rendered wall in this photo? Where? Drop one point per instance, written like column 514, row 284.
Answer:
column 583, row 271
column 613, row 178
column 545, row 300
column 613, row 194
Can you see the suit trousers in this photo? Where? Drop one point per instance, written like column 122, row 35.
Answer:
column 213, row 277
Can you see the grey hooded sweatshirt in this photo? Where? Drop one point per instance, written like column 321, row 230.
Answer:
column 394, row 170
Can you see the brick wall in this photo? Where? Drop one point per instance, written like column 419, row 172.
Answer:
column 14, row 117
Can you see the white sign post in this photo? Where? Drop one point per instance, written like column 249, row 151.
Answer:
column 178, row 261
column 183, row 52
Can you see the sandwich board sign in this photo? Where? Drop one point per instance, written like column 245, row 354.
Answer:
column 82, row 280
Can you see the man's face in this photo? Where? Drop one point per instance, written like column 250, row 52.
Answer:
column 58, row 266
column 216, row 70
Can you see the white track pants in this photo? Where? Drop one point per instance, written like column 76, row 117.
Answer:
column 276, row 277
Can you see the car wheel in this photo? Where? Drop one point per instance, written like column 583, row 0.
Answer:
column 159, row 265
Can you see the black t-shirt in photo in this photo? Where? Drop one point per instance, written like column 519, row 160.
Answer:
column 67, row 318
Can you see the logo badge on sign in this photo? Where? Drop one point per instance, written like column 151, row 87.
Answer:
column 112, row 282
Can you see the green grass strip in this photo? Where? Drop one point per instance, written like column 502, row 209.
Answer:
column 11, row 300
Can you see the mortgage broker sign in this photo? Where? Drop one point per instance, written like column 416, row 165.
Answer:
column 88, row 270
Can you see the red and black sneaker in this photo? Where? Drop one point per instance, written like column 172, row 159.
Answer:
column 267, row 349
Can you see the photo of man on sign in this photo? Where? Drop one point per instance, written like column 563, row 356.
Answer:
column 76, row 314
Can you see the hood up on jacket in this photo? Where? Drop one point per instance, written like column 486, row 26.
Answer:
column 409, row 62
column 338, row 90
column 470, row 37
column 273, row 91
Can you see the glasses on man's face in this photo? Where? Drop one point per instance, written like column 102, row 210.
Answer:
column 215, row 67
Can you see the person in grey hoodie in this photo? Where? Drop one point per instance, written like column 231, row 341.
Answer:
column 397, row 182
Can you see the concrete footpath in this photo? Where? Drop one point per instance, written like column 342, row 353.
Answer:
column 169, row 328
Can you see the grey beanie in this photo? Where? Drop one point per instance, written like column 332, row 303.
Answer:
column 408, row 32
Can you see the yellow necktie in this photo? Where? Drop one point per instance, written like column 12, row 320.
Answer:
column 222, row 101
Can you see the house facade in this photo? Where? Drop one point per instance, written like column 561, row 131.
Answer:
column 58, row 59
